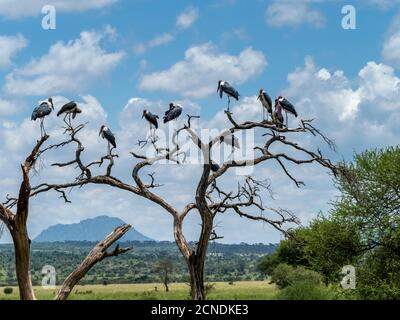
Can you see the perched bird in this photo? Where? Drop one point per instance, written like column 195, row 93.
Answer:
column 70, row 108
column 266, row 102
column 173, row 112
column 41, row 111
column 287, row 107
column 214, row 166
column 277, row 117
column 225, row 87
column 106, row 133
column 151, row 118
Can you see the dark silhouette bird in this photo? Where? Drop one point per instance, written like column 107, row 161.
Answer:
column 266, row 102
column 69, row 109
column 151, row 118
column 287, row 107
column 225, row 87
column 214, row 166
column 173, row 113
column 40, row 112
column 277, row 117
column 107, row 134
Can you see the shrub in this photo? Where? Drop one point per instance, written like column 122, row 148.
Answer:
column 8, row 290
column 303, row 290
column 285, row 275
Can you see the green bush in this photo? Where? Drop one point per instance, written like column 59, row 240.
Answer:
column 285, row 275
column 303, row 290
column 8, row 290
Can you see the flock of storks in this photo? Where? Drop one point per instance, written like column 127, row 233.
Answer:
column 71, row 109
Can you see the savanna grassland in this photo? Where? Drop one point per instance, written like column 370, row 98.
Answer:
column 241, row 290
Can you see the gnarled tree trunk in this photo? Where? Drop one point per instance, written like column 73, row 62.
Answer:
column 22, row 262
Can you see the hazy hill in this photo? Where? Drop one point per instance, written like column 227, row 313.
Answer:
column 94, row 229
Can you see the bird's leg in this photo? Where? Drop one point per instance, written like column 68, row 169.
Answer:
column 287, row 125
column 177, row 139
column 229, row 102
column 109, row 149
column 41, row 128
column 69, row 119
column 263, row 114
column 65, row 119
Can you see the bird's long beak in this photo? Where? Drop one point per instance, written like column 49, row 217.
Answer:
column 258, row 98
column 100, row 132
column 219, row 86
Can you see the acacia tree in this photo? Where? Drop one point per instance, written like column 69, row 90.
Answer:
column 210, row 198
column 16, row 223
column 164, row 268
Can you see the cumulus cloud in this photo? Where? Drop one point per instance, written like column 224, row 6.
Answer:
column 157, row 41
column 66, row 67
column 186, row 19
column 12, row 9
column 10, row 46
column 293, row 13
column 391, row 47
column 204, row 66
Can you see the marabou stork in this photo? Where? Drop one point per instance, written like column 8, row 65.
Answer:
column 152, row 120
column 173, row 112
column 225, row 87
column 277, row 117
column 287, row 106
column 41, row 111
column 70, row 108
column 266, row 102
column 107, row 134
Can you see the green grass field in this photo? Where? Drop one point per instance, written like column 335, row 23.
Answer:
column 246, row 290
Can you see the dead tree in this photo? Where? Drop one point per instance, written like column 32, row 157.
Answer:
column 164, row 268
column 210, row 199
column 16, row 223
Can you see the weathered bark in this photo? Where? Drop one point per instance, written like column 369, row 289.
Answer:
column 196, row 273
column 97, row 254
column 22, row 263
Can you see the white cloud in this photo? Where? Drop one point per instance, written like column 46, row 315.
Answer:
column 391, row 47
column 380, row 85
column 186, row 19
column 8, row 107
column 202, row 67
column 66, row 67
column 160, row 40
column 10, row 46
column 12, row 9
column 293, row 13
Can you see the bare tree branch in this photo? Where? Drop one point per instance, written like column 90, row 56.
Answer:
column 97, row 254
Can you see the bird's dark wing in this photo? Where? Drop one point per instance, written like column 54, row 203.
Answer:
column 67, row 107
column 286, row 105
column 110, row 137
column 35, row 113
column 230, row 90
column 173, row 114
column 269, row 101
column 152, row 119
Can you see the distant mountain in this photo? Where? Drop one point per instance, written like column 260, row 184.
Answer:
column 95, row 229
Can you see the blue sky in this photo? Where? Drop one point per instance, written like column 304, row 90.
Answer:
column 104, row 53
